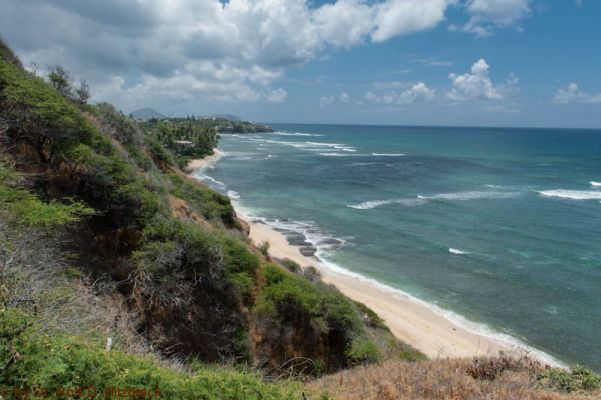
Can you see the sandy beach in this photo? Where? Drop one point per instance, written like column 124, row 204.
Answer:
column 409, row 319
column 200, row 164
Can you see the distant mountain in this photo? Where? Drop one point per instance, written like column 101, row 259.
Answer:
column 147, row 113
column 229, row 117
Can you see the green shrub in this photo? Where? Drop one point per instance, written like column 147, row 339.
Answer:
column 363, row 351
column 321, row 302
column 64, row 364
column 210, row 204
column 122, row 128
column 370, row 318
column 25, row 208
column 291, row 266
column 264, row 248
column 7, row 54
column 577, row 378
column 38, row 115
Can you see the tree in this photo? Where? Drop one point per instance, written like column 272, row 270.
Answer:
column 82, row 93
column 61, row 79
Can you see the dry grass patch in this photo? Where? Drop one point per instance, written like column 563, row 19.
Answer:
column 439, row 379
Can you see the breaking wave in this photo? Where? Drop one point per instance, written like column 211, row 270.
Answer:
column 295, row 134
column 572, row 194
column 419, row 199
column 457, row 251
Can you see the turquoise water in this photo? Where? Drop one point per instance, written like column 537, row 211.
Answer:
column 500, row 226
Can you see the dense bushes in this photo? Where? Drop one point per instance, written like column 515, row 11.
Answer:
column 211, row 204
column 20, row 206
column 70, row 367
column 194, row 284
column 37, row 115
column 299, row 318
column 575, row 379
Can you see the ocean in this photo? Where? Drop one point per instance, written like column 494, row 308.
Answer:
column 500, row 227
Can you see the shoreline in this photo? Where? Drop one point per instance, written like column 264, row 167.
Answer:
column 415, row 322
column 200, row 164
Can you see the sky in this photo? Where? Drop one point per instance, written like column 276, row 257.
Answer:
column 393, row 62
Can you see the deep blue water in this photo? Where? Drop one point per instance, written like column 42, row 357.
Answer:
column 501, row 226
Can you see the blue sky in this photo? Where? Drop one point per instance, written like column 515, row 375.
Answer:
column 414, row 62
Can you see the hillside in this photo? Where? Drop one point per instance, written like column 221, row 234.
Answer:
column 119, row 272
column 146, row 114
column 127, row 247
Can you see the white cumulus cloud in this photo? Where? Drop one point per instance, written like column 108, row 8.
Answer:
column 477, row 85
column 401, row 17
column 573, row 94
column 486, row 15
column 416, row 92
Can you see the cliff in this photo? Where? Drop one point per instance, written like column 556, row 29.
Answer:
column 146, row 256
column 118, row 272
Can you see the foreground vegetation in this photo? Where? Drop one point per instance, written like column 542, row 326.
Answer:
column 118, row 272
column 495, row 378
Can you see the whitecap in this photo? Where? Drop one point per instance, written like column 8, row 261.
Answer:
column 296, row 134
column 388, row 154
column 470, row 195
column 368, row 205
column 572, row 194
column 457, row 251
column 419, row 200
column 595, row 184
column 333, row 154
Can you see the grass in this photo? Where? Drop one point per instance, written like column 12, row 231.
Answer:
column 436, row 379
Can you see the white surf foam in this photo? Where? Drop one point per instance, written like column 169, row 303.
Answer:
column 233, row 195
column 388, row 154
column 595, row 184
column 457, row 251
column 309, row 146
column 572, row 194
column 295, row 134
column 207, row 178
column 470, row 195
column 337, row 146
column 419, row 200
column 368, row 205
column 333, row 154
